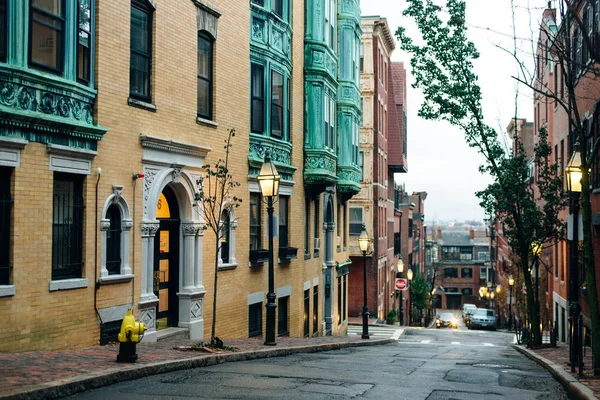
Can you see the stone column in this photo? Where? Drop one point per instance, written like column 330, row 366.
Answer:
column 104, row 226
column 148, row 299
column 191, row 297
column 126, row 226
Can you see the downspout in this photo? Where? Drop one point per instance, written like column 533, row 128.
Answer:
column 96, row 283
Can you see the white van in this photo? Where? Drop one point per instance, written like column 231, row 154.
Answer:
column 467, row 308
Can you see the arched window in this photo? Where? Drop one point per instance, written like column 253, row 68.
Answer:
column 115, row 227
column 225, row 239
column 227, row 257
column 113, row 240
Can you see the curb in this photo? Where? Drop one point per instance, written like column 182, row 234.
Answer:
column 70, row 386
column 570, row 383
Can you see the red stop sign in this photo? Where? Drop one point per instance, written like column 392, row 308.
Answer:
column 400, row 284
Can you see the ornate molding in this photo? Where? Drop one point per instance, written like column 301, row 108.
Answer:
column 258, row 150
column 29, row 99
column 190, row 228
column 148, row 317
column 126, row 224
column 196, row 309
column 320, row 161
column 149, row 175
column 104, row 224
column 172, row 146
column 149, row 228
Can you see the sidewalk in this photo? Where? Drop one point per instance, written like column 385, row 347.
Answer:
column 56, row 374
column 555, row 360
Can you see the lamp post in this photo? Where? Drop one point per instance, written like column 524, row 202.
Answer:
column 269, row 185
column 536, row 249
column 363, row 242
column 511, row 282
column 400, row 306
column 409, row 275
column 573, row 178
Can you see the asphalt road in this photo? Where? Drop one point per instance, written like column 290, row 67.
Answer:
column 421, row 364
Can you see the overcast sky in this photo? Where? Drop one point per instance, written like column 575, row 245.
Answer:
column 439, row 160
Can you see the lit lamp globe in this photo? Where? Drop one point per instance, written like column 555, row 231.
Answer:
column 409, row 274
column 511, row 280
column 400, row 266
column 364, row 240
column 498, row 289
column 573, row 171
column 269, row 178
column 492, row 295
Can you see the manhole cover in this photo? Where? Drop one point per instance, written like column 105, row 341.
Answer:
column 492, row 365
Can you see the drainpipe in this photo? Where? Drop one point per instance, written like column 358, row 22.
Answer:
column 96, row 282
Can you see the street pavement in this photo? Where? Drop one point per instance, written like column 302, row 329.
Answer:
column 403, row 356
column 422, row 364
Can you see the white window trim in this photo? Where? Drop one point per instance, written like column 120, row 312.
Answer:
column 7, row 290
column 125, row 274
column 232, row 264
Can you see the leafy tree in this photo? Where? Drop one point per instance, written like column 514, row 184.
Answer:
column 573, row 54
column 215, row 195
column 419, row 292
column 442, row 65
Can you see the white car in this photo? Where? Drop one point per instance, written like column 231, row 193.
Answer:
column 467, row 309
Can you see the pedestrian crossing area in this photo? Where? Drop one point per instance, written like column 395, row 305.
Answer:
column 379, row 332
column 443, row 343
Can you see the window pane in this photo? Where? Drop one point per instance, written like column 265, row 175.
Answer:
column 278, row 7
column 46, row 41
column 52, row 6
column 254, row 221
column 204, row 55
column 283, row 221
column 5, row 219
column 3, row 30
column 259, row 2
column 257, row 116
column 139, row 76
column 276, row 120
column 139, row 30
column 276, row 104
column 257, row 92
column 203, row 97
column 113, row 241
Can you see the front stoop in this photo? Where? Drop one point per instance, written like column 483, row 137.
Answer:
column 172, row 334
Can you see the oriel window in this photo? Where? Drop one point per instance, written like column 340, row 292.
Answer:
column 84, row 28
column 276, row 104
column 46, row 26
column 258, row 99
column 3, row 30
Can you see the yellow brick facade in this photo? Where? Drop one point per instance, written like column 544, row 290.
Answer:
column 36, row 318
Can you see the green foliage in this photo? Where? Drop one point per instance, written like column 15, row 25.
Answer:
column 442, row 64
column 391, row 317
column 419, row 292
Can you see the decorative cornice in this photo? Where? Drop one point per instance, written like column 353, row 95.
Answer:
column 172, row 146
column 60, row 150
column 149, row 228
column 13, row 143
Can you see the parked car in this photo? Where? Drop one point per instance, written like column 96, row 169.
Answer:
column 483, row 318
column 467, row 308
column 446, row 319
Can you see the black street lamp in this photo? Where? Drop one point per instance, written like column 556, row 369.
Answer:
column 269, row 185
column 363, row 242
column 409, row 275
column 573, row 172
column 400, row 306
column 511, row 282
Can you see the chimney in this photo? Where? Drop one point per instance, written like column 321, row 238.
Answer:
column 472, row 233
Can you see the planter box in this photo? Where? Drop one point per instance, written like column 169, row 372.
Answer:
column 259, row 256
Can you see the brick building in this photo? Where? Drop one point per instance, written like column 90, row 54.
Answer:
column 111, row 114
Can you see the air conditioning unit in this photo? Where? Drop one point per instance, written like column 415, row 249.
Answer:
column 317, row 244
column 339, row 241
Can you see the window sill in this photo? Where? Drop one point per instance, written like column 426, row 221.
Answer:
column 206, row 122
column 316, row 253
column 7, row 290
column 109, row 279
column 141, row 104
column 225, row 267
column 68, row 284
column 307, row 256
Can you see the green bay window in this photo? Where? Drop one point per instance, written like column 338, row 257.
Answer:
column 3, row 30
column 257, row 123
column 140, row 67
column 276, row 104
column 84, row 29
column 46, row 37
column 205, row 78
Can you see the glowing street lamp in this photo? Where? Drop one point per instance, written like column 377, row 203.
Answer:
column 363, row 243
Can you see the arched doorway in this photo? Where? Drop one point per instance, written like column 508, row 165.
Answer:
column 166, row 259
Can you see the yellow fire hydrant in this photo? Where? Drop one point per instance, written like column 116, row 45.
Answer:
column 131, row 333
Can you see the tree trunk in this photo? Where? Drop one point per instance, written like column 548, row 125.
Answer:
column 532, row 307
column 214, row 311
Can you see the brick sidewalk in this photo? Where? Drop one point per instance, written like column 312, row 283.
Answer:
column 560, row 356
column 51, row 374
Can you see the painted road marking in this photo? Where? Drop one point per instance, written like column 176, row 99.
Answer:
column 425, row 341
column 397, row 334
column 456, row 343
column 488, row 344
